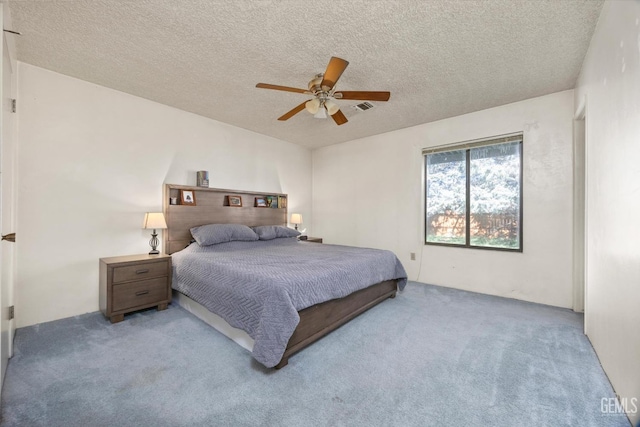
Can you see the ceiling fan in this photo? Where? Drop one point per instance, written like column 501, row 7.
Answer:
column 323, row 89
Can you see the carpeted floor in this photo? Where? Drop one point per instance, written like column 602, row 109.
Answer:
column 430, row 357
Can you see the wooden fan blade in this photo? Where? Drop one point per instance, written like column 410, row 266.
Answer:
column 334, row 70
column 339, row 118
column 363, row 95
column 293, row 112
column 284, row 88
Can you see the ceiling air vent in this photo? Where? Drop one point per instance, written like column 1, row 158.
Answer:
column 364, row 106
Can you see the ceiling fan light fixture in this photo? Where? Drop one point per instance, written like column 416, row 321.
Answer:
column 313, row 106
column 332, row 107
column 321, row 113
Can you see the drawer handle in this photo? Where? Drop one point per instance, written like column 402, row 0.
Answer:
column 140, row 293
column 146, row 270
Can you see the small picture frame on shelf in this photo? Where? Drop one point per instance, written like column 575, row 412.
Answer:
column 261, row 202
column 202, row 179
column 272, row 201
column 187, row 197
column 282, row 201
column 235, row 201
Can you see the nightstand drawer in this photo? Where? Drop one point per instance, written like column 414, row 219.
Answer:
column 140, row 271
column 139, row 293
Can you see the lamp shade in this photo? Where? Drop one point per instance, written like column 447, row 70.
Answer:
column 332, row 107
column 321, row 113
column 154, row 220
column 296, row 218
column 312, row 106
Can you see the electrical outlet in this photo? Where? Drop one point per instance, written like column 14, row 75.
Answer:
column 413, row 256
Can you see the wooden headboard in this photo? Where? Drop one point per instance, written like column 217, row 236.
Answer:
column 212, row 207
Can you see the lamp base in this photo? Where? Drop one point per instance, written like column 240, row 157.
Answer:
column 154, row 243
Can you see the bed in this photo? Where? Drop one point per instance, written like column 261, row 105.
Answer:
column 271, row 278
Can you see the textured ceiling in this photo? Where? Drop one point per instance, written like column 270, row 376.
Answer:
column 438, row 58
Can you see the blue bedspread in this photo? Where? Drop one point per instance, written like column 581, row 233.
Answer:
column 260, row 286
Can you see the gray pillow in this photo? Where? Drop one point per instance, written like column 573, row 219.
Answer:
column 266, row 232
column 269, row 232
column 212, row 234
column 286, row 232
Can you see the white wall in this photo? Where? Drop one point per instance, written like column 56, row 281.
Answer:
column 377, row 185
column 93, row 160
column 610, row 83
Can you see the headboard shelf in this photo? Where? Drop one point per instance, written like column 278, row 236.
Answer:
column 226, row 191
column 212, row 208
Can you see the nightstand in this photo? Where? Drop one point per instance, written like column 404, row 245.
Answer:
column 313, row 239
column 134, row 282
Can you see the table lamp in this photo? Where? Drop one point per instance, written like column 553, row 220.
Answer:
column 154, row 220
column 296, row 219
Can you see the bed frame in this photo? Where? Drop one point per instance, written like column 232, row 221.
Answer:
column 212, row 207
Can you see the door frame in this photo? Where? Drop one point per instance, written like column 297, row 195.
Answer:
column 7, row 118
column 580, row 217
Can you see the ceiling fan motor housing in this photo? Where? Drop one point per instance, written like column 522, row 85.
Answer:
column 315, row 85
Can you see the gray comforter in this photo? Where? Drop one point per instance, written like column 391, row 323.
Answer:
column 260, row 286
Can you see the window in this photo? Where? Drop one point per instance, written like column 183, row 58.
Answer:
column 474, row 194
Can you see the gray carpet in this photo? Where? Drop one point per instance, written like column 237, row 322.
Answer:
column 431, row 357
